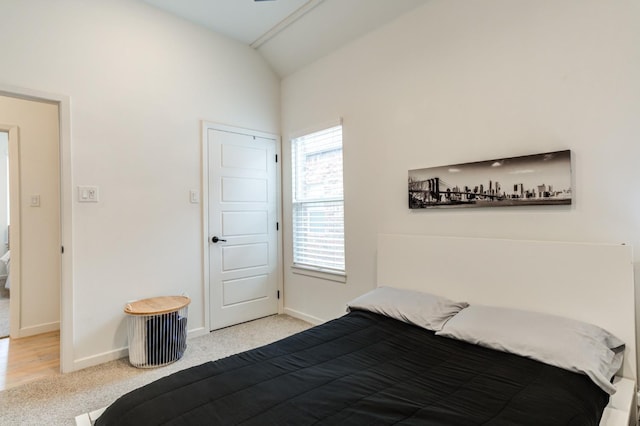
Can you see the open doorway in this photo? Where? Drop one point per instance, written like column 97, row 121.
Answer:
column 31, row 128
column 35, row 267
column 5, row 256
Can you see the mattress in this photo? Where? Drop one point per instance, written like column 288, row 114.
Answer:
column 365, row 369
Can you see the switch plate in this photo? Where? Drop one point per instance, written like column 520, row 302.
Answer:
column 88, row 194
column 194, row 196
column 35, row 200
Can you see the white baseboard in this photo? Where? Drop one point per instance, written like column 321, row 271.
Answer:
column 90, row 361
column 115, row 354
column 196, row 332
column 38, row 329
column 304, row 317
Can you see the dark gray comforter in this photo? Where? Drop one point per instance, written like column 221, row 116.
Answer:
column 365, row 369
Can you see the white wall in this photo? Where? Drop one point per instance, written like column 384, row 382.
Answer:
column 139, row 82
column 458, row 81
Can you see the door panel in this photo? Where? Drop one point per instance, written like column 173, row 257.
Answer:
column 244, row 158
column 244, row 256
column 244, row 190
column 242, row 214
column 244, row 223
column 244, row 289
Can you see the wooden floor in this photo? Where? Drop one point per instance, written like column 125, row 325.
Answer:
column 28, row 359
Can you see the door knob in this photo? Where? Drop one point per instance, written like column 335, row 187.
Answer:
column 216, row 239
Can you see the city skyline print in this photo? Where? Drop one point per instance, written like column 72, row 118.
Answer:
column 530, row 180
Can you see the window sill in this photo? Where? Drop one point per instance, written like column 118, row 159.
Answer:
column 340, row 277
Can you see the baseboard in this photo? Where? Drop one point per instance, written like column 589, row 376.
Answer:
column 38, row 329
column 304, row 317
column 115, row 354
column 93, row 360
column 196, row 332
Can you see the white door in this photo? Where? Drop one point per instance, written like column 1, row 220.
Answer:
column 243, row 252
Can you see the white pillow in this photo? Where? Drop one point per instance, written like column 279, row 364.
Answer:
column 562, row 342
column 414, row 307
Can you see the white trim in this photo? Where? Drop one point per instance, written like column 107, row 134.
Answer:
column 324, row 274
column 286, row 22
column 304, row 317
column 206, row 125
column 101, row 358
column 38, row 329
column 66, row 236
column 123, row 352
column 197, row 332
column 279, row 235
column 66, row 198
column 204, row 223
column 15, row 238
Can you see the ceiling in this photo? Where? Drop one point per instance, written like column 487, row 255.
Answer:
column 290, row 34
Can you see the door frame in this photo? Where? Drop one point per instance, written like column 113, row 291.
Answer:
column 204, row 199
column 66, row 199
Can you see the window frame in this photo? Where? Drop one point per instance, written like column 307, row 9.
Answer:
column 316, row 270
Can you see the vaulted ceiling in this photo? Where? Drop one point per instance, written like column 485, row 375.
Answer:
column 290, row 34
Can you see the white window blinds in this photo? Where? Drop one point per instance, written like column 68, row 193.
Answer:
column 318, row 205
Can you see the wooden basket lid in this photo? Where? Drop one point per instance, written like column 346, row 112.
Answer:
column 157, row 305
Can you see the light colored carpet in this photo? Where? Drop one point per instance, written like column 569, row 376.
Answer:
column 4, row 310
column 57, row 400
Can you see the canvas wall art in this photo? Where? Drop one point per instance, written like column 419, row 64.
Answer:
column 540, row 179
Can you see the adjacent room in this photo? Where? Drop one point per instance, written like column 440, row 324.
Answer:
column 255, row 157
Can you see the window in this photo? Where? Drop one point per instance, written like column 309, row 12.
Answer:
column 318, row 202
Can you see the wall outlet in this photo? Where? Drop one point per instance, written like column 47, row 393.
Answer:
column 88, row 194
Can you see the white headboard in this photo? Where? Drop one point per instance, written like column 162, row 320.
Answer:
column 588, row 282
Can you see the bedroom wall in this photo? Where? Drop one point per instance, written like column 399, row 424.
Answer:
column 139, row 82
column 458, row 81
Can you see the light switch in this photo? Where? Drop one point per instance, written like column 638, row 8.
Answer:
column 194, row 196
column 88, row 194
column 35, row 201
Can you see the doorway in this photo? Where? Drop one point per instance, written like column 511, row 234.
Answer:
column 241, row 224
column 34, row 233
column 5, row 255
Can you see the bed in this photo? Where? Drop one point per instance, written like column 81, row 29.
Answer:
column 380, row 364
